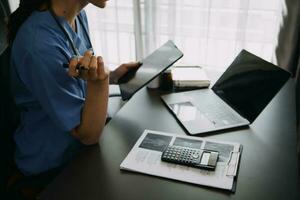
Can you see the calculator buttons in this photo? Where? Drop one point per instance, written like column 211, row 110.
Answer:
column 191, row 157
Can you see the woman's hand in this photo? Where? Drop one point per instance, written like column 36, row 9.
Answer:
column 122, row 70
column 88, row 67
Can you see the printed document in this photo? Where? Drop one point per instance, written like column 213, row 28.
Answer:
column 145, row 157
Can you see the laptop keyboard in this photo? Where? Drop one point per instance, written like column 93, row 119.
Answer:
column 217, row 113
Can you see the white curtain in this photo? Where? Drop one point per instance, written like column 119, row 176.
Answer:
column 209, row 32
column 112, row 31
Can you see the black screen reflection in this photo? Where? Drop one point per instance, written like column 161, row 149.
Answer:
column 249, row 84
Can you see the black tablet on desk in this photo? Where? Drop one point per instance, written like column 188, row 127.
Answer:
column 152, row 66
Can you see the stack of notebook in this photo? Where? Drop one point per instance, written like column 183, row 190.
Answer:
column 189, row 77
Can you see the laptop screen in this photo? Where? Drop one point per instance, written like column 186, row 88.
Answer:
column 249, row 84
column 152, row 66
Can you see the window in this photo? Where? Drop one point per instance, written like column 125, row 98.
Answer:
column 209, row 32
column 112, row 32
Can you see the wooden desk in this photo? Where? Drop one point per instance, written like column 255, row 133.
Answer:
column 268, row 168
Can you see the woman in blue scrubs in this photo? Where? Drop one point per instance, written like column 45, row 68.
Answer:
column 62, row 108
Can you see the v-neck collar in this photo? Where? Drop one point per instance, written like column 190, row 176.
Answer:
column 68, row 27
column 76, row 37
column 80, row 39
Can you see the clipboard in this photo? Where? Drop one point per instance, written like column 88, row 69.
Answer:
column 233, row 166
column 145, row 157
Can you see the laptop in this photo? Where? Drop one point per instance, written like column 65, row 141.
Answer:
column 235, row 100
column 152, row 66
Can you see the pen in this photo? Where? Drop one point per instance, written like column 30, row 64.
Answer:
column 78, row 66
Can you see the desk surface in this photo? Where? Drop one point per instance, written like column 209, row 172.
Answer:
column 268, row 168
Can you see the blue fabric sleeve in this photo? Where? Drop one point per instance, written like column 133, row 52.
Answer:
column 59, row 95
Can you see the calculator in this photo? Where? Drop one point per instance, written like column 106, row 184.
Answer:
column 199, row 158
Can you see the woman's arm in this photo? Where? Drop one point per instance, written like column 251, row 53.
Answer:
column 94, row 111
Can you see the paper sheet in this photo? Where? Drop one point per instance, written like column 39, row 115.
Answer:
column 145, row 157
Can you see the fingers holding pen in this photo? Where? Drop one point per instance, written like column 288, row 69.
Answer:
column 88, row 67
column 84, row 64
column 102, row 71
column 73, row 71
column 92, row 72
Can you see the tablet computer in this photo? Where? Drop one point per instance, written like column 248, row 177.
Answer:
column 152, row 66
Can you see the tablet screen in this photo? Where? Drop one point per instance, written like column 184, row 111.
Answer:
column 152, row 66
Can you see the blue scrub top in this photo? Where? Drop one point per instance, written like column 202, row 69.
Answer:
column 50, row 100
